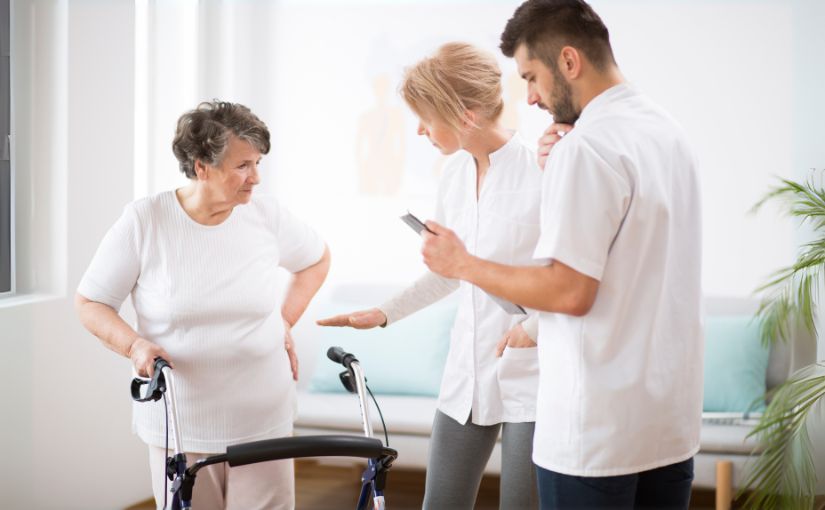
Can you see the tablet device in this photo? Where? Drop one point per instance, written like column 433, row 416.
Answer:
column 415, row 224
column 511, row 308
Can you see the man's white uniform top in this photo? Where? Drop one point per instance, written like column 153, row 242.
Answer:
column 620, row 388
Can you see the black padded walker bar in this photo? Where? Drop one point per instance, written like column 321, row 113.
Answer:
column 307, row 446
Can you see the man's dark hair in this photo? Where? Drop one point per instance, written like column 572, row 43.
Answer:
column 546, row 26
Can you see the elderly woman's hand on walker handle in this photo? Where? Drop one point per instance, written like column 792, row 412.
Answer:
column 104, row 322
column 363, row 319
column 143, row 353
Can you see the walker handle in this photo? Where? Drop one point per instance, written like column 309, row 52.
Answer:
column 157, row 384
column 339, row 355
column 307, row 446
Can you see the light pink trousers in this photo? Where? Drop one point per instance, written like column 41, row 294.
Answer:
column 264, row 486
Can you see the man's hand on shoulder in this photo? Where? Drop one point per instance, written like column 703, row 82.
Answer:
column 549, row 139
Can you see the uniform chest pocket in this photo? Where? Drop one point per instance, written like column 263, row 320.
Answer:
column 520, row 207
column 459, row 219
column 517, row 372
column 510, row 222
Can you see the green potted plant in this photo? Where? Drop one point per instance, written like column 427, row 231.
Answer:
column 784, row 475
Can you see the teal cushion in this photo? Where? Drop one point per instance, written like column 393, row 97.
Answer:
column 736, row 365
column 405, row 358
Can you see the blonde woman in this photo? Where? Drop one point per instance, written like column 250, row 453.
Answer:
column 489, row 194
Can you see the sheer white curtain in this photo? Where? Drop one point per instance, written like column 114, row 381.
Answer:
column 188, row 51
column 323, row 75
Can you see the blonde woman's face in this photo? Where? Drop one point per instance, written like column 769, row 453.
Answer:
column 440, row 134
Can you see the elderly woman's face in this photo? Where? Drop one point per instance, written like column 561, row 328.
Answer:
column 233, row 178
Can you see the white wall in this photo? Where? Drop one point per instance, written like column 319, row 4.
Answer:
column 65, row 406
column 741, row 76
column 726, row 69
column 709, row 63
column 809, row 111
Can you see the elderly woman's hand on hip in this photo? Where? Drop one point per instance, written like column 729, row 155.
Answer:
column 143, row 353
column 289, row 345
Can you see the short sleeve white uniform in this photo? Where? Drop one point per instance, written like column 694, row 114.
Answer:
column 621, row 388
column 500, row 225
column 209, row 296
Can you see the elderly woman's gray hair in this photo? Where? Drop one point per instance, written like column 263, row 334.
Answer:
column 203, row 133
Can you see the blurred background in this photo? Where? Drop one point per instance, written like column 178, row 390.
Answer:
column 97, row 85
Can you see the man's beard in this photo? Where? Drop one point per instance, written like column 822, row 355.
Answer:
column 561, row 100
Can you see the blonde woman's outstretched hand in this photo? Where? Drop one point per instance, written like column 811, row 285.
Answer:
column 364, row 319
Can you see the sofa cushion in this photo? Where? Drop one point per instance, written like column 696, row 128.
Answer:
column 726, row 438
column 405, row 358
column 340, row 411
column 736, row 364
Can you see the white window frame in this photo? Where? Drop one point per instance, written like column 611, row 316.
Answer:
column 5, row 150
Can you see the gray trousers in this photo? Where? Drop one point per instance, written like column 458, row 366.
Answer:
column 459, row 453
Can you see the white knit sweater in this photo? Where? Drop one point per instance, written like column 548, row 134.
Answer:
column 209, row 296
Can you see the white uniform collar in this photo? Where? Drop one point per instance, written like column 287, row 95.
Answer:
column 601, row 101
column 501, row 153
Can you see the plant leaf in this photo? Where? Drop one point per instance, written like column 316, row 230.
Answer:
column 783, row 475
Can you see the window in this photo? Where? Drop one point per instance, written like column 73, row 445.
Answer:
column 5, row 160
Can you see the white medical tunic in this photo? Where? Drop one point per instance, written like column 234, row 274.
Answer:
column 621, row 387
column 502, row 225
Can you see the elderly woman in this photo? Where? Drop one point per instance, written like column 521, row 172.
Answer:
column 201, row 264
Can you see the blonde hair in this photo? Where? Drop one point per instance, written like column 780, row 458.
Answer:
column 459, row 77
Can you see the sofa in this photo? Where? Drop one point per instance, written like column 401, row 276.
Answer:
column 408, row 417
column 725, row 449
